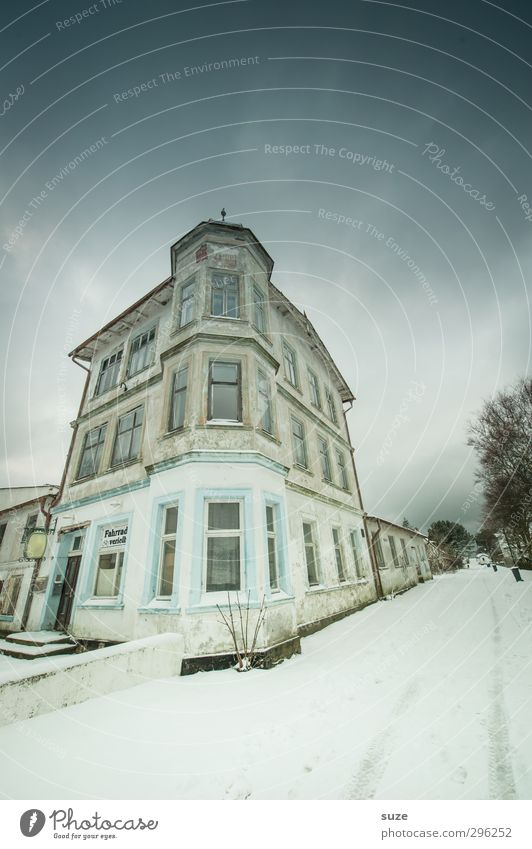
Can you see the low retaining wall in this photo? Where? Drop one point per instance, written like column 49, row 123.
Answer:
column 44, row 686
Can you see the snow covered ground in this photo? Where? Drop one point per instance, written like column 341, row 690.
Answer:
column 427, row 696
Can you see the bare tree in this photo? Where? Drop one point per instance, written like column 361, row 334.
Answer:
column 236, row 620
column 502, row 437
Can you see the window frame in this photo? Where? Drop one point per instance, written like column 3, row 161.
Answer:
column 331, row 406
column 224, row 315
column 358, row 560
column 224, row 533
column 100, row 444
column 262, row 378
column 211, row 383
column 273, row 535
column 164, row 538
column 325, row 459
column 339, row 554
column 393, row 551
column 342, row 469
column 290, row 366
column 117, row 354
column 315, row 392
column 259, row 308
column 314, row 545
column 3, row 528
column 191, row 283
column 118, row 568
column 11, row 586
column 406, row 560
column 151, row 334
column 29, row 527
column 172, row 426
column 302, row 443
column 139, row 428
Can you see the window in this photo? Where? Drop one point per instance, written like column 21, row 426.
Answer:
column 325, row 459
column 259, row 310
column 298, row 443
column 339, row 554
column 331, row 406
column 311, row 553
column 10, row 594
column 186, row 306
column 224, row 295
column 393, row 549
column 224, row 392
column 92, row 451
column 342, row 471
column 224, row 546
column 265, row 403
column 271, row 532
column 109, row 574
column 31, row 524
column 290, row 364
column 315, row 396
column 142, row 352
column 165, row 579
column 2, row 532
column 127, row 441
column 378, row 553
column 178, row 400
column 357, row 557
column 405, row 552
column 109, row 371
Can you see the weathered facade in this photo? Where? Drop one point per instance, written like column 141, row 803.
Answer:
column 401, row 555
column 210, row 456
column 20, row 515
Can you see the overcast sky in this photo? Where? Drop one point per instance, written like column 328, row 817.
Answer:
column 413, row 121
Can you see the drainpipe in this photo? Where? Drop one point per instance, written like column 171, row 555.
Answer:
column 372, row 560
column 55, row 499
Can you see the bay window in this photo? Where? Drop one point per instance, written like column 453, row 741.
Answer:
column 223, row 546
column 224, row 295
column 225, row 392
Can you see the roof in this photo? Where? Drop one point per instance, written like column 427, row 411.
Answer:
column 395, row 525
column 18, row 496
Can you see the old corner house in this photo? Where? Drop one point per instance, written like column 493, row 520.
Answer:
column 210, row 455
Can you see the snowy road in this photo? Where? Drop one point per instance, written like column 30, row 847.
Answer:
column 427, row 696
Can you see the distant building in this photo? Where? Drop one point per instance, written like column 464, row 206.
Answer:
column 210, row 456
column 20, row 514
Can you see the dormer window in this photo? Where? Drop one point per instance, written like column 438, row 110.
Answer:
column 224, row 295
column 109, row 371
column 142, row 352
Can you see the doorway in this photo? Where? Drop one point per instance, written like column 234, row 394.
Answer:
column 68, row 590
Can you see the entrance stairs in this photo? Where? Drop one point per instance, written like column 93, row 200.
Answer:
column 28, row 645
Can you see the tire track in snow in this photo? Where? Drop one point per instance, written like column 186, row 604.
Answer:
column 501, row 779
column 366, row 780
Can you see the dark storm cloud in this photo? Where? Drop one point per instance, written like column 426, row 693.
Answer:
column 380, row 152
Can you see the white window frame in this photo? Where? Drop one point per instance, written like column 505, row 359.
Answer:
column 136, row 427
column 216, row 362
column 358, row 560
column 325, row 460
column 262, row 379
column 259, row 309
column 100, row 444
column 290, row 365
column 166, row 538
column 149, row 346
column 187, row 305
column 116, row 357
column 314, row 544
column 302, row 443
column 314, row 386
column 331, row 406
column 393, row 550
column 226, row 275
column 342, row 469
column 339, row 554
column 273, row 535
column 120, row 568
column 183, row 390
column 224, row 533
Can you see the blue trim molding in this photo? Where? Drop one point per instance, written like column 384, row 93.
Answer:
column 250, row 457
column 102, row 496
column 150, row 603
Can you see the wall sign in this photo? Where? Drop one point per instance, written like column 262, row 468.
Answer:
column 114, row 536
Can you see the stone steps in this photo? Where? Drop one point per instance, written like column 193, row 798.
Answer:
column 29, row 645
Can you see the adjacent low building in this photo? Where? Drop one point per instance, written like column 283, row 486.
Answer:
column 401, row 555
column 22, row 510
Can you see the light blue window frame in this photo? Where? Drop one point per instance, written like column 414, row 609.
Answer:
column 89, row 566
column 198, row 598
column 281, row 544
column 150, row 602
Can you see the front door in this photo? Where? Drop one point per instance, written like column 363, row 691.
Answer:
column 66, row 601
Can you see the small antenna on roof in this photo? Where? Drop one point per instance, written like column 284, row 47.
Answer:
column 223, row 214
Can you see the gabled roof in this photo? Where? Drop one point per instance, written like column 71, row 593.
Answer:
column 400, row 527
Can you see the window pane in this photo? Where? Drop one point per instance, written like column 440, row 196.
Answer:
column 108, row 576
column 307, row 532
column 223, row 563
column 170, row 521
column 225, row 402
column 272, row 561
column 224, row 372
column 166, row 580
column 269, row 519
column 311, row 565
column 224, row 516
